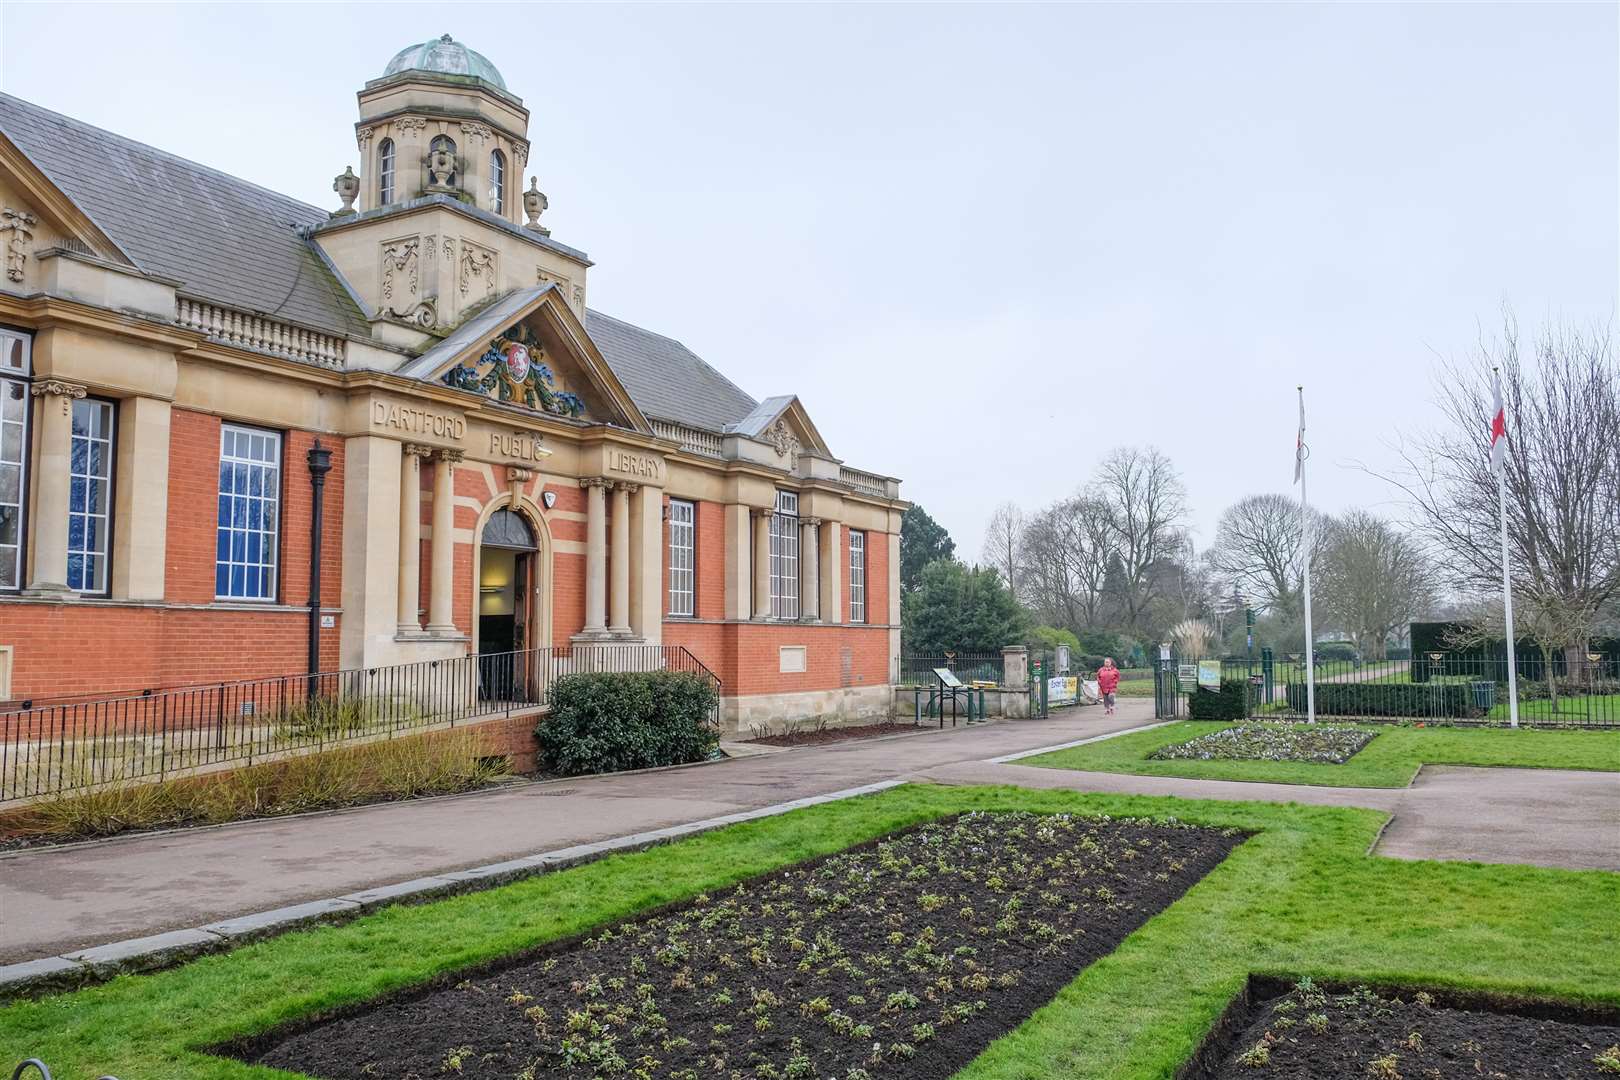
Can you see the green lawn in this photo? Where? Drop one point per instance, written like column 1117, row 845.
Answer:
column 1390, row 760
column 1300, row 897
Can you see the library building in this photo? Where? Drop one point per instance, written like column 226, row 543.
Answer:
column 243, row 437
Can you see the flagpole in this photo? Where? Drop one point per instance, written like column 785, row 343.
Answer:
column 1507, row 580
column 1305, row 532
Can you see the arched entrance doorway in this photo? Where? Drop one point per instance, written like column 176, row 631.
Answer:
column 506, row 605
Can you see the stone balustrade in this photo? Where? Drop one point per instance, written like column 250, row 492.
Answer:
column 692, row 440
column 259, row 334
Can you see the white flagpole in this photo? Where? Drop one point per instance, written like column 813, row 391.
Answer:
column 1305, row 527
column 1507, row 580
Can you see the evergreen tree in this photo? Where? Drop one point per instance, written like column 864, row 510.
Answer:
column 922, row 541
column 961, row 609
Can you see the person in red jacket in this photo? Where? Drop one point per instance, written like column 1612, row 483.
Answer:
column 1107, row 683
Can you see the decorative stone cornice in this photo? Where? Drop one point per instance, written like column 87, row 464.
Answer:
column 56, row 386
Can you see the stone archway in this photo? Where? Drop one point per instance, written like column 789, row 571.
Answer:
column 511, row 601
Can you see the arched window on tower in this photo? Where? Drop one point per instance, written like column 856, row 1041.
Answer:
column 497, row 182
column 385, row 172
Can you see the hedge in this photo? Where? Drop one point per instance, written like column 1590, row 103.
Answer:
column 1230, row 702
column 1416, row 700
column 609, row 722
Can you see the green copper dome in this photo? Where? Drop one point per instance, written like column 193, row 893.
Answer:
column 445, row 56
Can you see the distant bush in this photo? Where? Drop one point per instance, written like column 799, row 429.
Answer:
column 610, row 722
column 1415, row 700
column 1230, row 702
column 1336, row 651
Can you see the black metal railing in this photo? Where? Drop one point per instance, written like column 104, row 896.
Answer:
column 914, row 670
column 1440, row 688
column 59, row 747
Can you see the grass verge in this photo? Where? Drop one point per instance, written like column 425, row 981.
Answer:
column 1302, row 896
column 1390, row 760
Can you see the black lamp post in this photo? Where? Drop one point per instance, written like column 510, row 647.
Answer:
column 320, row 463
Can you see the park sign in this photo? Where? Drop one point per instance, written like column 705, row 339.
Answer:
column 1062, row 690
column 1209, row 674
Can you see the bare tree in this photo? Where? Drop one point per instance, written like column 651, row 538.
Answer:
column 1372, row 579
column 1259, row 546
column 1001, row 540
column 1062, row 555
column 1146, row 510
column 1562, row 474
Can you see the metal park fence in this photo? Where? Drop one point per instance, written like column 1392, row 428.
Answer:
column 1437, row 688
column 52, row 748
column 918, row 669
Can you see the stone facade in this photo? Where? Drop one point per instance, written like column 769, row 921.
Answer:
column 495, row 481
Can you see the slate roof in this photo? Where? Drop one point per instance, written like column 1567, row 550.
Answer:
column 665, row 378
column 227, row 240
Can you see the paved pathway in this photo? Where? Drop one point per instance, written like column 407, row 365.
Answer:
column 52, row 901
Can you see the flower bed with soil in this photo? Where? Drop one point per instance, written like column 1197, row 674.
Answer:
column 905, row 956
column 1314, row 743
column 1311, row 1033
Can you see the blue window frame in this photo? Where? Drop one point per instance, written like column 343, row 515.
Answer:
column 249, row 514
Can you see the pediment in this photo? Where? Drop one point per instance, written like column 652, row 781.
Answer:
column 530, row 351
column 782, row 423
column 35, row 215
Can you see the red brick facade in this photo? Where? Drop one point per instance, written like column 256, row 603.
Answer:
column 92, row 646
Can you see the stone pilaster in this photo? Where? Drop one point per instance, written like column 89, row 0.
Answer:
column 809, row 569
column 441, row 602
column 410, row 538
column 833, row 543
column 762, row 564
column 647, row 553
column 739, row 563
column 50, row 524
column 371, row 473
column 141, row 487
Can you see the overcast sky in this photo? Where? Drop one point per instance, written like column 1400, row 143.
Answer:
column 983, row 244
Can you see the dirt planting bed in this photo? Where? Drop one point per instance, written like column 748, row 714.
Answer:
column 902, row 957
column 1317, row 743
column 1314, row 1033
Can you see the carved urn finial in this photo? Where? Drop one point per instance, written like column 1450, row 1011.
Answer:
column 442, row 165
column 534, row 204
column 347, row 185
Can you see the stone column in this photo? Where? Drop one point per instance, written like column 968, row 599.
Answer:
column 619, row 601
column 410, row 538
column 832, row 571
column 810, row 569
column 595, row 555
column 370, row 627
column 441, row 604
column 50, row 478
column 762, row 564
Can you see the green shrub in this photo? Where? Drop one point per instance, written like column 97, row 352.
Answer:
column 1415, row 700
column 609, row 722
column 1230, row 702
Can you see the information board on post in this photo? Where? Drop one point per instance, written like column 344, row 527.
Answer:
column 948, row 677
column 1209, row 674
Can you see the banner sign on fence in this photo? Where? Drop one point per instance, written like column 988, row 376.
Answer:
column 1209, row 674
column 1062, row 690
column 1186, row 677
